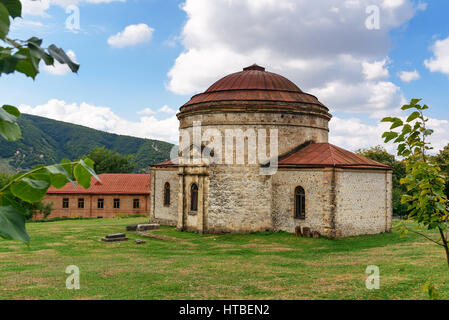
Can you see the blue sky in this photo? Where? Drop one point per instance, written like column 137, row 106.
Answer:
column 182, row 47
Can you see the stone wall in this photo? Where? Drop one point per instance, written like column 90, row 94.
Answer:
column 364, row 204
column 188, row 219
column 303, row 127
column 339, row 202
column 91, row 209
column 159, row 213
column 285, row 182
column 239, row 200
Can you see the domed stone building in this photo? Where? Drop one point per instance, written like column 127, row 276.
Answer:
column 265, row 164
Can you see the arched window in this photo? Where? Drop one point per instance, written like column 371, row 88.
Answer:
column 300, row 203
column 167, row 194
column 194, row 198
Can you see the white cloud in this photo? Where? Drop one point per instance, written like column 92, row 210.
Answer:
column 132, row 35
column 146, row 111
column 440, row 61
column 167, row 109
column 376, row 70
column 374, row 98
column 23, row 24
column 409, row 76
column 35, row 8
column 320, row 45
column 353, row 134
column 58, row 68
column 103, row 118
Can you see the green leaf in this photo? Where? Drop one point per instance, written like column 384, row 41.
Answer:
column 7, row 116
column 413, row 116
column 35, row 40
column 59, row 176
column 58, row 181
column 10, row 131
column 28, row 67
column 63, row 58
column 401, row 148
column 4, row 21
column 88, row 164
column 30, row 190
column 397, row 123
column 82, row 176
column 406, row 107
column 400, row 139
column 390, row 136
column 387, row 119
column 12, row 224
column 8, row 64
column 11, row 110
column 407, row 129
column 83, row 172
column 14, row 7
column 34, row 44
column 415, row 101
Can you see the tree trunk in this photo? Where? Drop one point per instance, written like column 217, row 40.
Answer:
column 443, row 237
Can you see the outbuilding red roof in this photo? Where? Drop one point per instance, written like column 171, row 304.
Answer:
column 327, row 155
column 254, row 84
column 110, row 184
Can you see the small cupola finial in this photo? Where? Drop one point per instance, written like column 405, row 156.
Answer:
column 254, row 67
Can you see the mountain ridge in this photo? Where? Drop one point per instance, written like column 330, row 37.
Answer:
column 47, row 141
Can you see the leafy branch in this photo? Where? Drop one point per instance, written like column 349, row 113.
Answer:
column 25, row 56
column 427, row 202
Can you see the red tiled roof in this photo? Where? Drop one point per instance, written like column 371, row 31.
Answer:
column 254, row 84
column 328, row 155
column 110, row 184
column 167, row 163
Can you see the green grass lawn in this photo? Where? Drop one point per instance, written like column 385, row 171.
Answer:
column 255, row 266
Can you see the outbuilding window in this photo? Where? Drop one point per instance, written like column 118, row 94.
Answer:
column 136, row 203
column 80, row 203
column 194, row 198
column 100, row 203
column 116, row 203
column 167, row 194
column 300, row 203
column 65, row 203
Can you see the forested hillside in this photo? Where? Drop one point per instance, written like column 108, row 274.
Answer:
column 47, row 141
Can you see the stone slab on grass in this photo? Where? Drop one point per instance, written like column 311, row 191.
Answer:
column 114, row 239
column 146, row 227
column 116, row 235
column 132, row 227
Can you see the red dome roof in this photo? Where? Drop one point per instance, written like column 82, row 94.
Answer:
column 254, row 84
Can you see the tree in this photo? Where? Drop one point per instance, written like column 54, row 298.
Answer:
column 26, row 189
column 428, row 205
column 443, row 161
column 380, row 154
column 107, row 161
